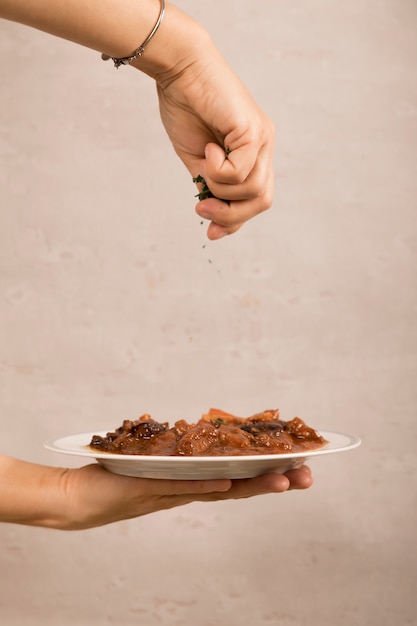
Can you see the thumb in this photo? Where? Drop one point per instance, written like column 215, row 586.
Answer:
column 230, row 166
column 215, row 155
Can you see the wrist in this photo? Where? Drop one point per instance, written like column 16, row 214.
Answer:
column 32, row 494
column 178, row 44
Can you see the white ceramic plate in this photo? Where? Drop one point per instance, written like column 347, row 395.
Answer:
column 198, row 467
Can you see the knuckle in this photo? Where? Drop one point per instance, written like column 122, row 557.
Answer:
column 265, row 205
column 266, row 200
column 269, row 130
column 263, row 196
column 263, row 201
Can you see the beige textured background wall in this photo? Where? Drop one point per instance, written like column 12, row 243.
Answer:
column 110, row 307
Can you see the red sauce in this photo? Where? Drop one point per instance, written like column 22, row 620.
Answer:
column 216, row 434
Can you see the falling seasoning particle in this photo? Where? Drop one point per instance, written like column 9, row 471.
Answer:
column 210, row 261
column 204, row 245
column 202, row 222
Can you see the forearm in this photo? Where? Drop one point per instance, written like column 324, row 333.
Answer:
column 115, row 27
column 215, row 126
column 32, row 494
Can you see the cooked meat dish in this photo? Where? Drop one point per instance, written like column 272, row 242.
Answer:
column 216, row 434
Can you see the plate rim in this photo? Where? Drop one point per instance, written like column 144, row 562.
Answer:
column 352, row 442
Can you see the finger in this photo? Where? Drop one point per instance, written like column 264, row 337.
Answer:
column 249, row 487
column 228, row 218
column 300, row 478
column 246, row 200
column 161, row 487
column 216, row 231
column 267, row 483
column 242, row 151
column 232, row 167
column 258, row 183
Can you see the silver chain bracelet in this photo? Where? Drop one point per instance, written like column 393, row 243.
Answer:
column 139, row 51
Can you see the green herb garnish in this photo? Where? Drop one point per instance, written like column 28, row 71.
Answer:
column 217, row 421
column 205, row 191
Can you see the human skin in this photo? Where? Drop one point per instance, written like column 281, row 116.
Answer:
column 206, row 110
column 90, row 496
column 220, row 133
